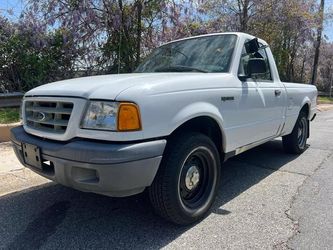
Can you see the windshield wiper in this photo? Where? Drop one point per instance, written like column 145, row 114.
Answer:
column 179, row 68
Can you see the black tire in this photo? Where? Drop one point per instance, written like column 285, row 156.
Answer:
column 187, row 181
column 295, row 143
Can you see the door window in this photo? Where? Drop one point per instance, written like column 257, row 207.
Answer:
column 242, row 70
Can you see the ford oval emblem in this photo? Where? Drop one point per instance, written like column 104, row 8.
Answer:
column 40, row 116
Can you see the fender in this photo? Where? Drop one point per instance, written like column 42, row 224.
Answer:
column 199, row 109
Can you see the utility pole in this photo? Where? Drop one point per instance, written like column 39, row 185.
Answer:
column 331, row 82
column 318, row 42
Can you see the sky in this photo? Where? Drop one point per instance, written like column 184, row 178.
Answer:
column 18, row 5
column 15, row 5
column 328, row 27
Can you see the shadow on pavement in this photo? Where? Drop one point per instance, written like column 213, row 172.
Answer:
column 53, row 216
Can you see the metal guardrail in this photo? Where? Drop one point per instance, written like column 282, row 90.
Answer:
column 10, row 99
column 326, row 94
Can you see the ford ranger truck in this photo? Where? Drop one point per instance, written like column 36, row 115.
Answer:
column 167, row 127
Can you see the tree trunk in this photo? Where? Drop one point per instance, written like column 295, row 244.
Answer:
column 303, row 66
column 243, row 14
column 127, row 52
column 318, row 42
column 138, row 31
column 292, row 60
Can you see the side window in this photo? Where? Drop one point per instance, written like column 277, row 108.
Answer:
column 266, row 76
column 242, row 70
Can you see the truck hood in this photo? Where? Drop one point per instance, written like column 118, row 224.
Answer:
column 110, row 86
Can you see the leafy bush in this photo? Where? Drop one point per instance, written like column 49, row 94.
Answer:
column 30, row 56
column 9, row 115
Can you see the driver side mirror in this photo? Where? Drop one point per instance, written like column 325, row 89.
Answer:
column 256, row 66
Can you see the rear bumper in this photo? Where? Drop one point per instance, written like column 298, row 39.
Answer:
column 100, row 167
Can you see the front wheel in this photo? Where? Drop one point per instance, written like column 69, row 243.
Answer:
column 186, row 183
column 295, row 143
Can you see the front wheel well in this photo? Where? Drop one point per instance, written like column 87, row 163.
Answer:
column 205, row 125
column 306, row 110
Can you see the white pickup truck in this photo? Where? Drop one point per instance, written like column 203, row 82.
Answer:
column 167, row 127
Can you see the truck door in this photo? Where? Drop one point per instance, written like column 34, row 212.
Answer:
column 273, row 98
column 263, row 104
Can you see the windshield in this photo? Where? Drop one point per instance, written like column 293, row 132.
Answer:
column 202, row 54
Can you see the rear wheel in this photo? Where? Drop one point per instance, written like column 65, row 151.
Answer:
column 187, row 181
column 295, row 143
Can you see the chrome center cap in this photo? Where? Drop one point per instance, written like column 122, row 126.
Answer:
column 192, row 177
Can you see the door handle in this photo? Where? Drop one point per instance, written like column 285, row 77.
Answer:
column 277, row 92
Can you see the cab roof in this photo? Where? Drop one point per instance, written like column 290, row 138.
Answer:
column 238, row 34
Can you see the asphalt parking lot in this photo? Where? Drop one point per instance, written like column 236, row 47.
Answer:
column 267, row 199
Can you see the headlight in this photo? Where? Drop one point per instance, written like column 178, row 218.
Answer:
column 114, row 116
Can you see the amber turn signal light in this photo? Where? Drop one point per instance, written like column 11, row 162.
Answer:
column 129, row 117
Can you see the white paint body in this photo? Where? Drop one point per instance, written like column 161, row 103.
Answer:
column 168, row 100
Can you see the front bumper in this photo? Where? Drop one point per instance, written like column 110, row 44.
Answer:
column 100, row 167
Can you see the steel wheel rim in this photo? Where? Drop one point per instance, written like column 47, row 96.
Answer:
column 203, row 161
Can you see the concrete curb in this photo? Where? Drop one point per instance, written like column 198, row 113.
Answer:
column 19, row 180
column 5, row 131
column 324, row 107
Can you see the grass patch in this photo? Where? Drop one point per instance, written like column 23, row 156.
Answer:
column 9, row 115
column 325, row 99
